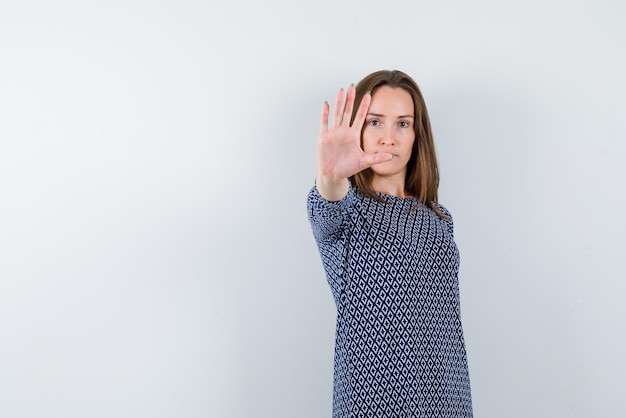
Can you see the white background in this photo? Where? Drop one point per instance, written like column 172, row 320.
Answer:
column 155, row 156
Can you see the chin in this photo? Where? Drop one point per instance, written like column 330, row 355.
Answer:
column 388, row 172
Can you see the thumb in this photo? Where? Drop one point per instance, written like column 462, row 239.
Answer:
column 373, row 159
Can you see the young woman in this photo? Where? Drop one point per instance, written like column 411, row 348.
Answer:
column 389, row 254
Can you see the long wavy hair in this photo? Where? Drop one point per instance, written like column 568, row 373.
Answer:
column 422, row 172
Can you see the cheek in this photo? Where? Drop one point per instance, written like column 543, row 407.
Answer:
column 410, row 140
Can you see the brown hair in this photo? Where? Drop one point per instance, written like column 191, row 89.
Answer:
column 422, row 174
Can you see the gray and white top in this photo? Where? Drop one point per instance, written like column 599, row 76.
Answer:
column 393, row 272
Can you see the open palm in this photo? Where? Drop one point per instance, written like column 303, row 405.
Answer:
column 339, row 152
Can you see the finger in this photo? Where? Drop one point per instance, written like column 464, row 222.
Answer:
column 347, row 111
column 373, row 159
column 361, row 113
column 324, row 121
column 338, row 106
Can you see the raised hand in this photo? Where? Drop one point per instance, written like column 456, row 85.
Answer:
column 339, row 152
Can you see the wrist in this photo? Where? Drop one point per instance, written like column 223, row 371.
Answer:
column 332, row 189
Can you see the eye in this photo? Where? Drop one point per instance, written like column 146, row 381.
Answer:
column 373, row 122
column 404, row 124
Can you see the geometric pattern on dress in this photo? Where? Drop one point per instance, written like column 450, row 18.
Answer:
column 393, row 273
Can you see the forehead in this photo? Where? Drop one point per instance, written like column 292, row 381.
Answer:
column 392, row 101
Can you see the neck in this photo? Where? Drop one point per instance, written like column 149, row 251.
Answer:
column 393, row 186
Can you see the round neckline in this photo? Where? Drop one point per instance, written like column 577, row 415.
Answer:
column 386, row 196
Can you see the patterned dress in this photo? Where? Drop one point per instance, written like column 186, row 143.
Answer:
column 393, row 272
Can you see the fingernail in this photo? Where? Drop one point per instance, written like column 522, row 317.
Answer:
column 368, row 92
column 352, row 84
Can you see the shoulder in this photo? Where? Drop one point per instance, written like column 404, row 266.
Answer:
column 449, row 221
column 443, row 209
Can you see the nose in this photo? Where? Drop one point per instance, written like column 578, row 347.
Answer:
column 388, row 137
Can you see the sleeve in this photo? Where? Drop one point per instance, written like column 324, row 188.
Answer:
column 328, row 219
column 330, row 224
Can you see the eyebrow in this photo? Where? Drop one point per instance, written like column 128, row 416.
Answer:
column 380, row 115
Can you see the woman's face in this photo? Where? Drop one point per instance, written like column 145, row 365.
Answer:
column 389, row 127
